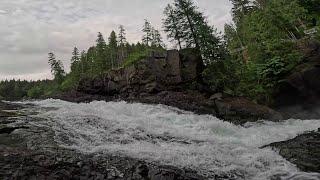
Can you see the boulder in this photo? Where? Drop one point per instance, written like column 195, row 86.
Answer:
column 299, row 93
column 173, row 67
column 239, row 110
column 303, row 151
column 191, row 65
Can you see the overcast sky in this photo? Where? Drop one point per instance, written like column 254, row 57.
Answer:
column 29, row 29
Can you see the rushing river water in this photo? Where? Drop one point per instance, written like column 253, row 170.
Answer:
column 169, row 136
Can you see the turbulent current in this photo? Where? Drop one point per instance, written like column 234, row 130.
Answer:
column 169, row 136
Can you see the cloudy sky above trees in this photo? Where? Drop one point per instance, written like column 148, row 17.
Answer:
column 32, row 28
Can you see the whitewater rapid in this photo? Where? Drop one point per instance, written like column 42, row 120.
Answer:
column 169, row 136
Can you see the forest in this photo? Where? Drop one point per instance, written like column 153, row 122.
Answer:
column 251, row 57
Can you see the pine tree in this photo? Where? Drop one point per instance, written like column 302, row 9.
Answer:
column 113, row 48
column 83, row 62
column 75, row 60
column 195, row 30
column 156, row 38
column 91, row 59
column 52, row 61
column 122, row 36
column 172, row 25
column 147, row 30
column 101, row 60
column 57, row 69
column 187, row 11
column 122, row 42
column 242, row 8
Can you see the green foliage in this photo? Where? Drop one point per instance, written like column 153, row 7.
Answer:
column 70, row 83
column 263, row 45
column 134, row 58
column 35, row 92
column 16, row 90
column 172, row 26
column 147, row 28
column 152, row 36
column 57, row 68
column 189, row 27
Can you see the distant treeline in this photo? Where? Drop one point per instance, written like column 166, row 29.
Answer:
column 16, row 90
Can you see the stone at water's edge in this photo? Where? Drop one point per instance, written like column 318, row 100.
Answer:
column 304, row 151
column 16, row 163
column 239, row 110
column 236, row 110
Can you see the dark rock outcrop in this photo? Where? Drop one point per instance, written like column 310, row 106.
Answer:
column 153, row 74
column 299, row 93
column 240, row 110
column 175, row 79
column 304, row 151
column 17, row 163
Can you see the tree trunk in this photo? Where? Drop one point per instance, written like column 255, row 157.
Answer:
column 192, row 31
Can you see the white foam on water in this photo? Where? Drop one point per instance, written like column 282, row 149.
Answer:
column 170, row 136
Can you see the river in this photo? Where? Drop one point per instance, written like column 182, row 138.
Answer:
column 169, row 136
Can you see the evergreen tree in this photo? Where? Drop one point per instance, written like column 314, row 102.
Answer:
column 195, row 30
column 122, row 42
column 122, row 36
column 91, row 59
column 147, row 30
column 57, row 69
column 156, row 38
column 241, row 8
column 75, row 59
column 188, row 14
column 84, row 62
column 113, row 48
column 101, row 60
column 172, row 25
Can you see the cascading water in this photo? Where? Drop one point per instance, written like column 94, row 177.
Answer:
column 169, row 136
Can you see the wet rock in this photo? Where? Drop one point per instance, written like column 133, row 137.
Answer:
column 9, row 130
column 143, row 171
column 299, row 93
column 46, row 165
column 217, row 96
column 236, row 110
column 239, row 110
column 303, row 151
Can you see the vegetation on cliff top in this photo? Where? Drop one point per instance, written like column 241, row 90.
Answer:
column 255, row 53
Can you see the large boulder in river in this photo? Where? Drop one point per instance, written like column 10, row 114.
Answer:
column 299, row 93
column 303, row 150
column 240, row 110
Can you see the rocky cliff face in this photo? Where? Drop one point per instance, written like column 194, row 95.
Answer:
column 159, row 72
column 299, row 93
